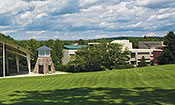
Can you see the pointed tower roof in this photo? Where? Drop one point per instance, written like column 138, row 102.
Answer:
column 44, row 48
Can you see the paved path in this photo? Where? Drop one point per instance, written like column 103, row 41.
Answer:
column 33, row 74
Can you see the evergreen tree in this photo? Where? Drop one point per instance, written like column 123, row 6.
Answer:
column 81, row 42
column 168, row 54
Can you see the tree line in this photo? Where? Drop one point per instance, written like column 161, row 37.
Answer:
column 98, row 57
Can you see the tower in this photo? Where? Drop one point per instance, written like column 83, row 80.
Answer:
column 44, row 62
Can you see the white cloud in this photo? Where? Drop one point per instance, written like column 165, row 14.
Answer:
column 76, row 37
column 151, row 34
column 8, row 31
column 12, row 6
column 27, row 15
column 93, row 8
column 136, row 25
column 1, row 27
column 100, row 36
column 155, row 3
column 35, row 32
column 56, row 37
column 106, row 36
column 39, row 37
column 41, row 15
column 75, row 19
column 87, row 2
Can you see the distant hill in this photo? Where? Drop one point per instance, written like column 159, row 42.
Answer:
column 134, row 40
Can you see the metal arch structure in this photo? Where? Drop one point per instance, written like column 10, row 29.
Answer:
column 6, row 46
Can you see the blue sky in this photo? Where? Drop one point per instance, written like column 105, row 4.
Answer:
column 85, row 19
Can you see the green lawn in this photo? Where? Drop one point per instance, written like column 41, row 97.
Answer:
column 138, row 86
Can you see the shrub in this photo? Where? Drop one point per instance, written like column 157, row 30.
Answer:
column 70, row 68
column 65, row 68
column 123, row 66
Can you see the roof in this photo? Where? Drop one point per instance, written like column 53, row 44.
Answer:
column 74, row 47
column 44, row 48
column 150, row 44
column 15, row 46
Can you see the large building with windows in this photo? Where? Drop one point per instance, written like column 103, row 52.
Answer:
column 147, row 49
column 137, row 54
column 150, row 53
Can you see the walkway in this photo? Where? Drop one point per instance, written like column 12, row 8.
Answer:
column 33, row 74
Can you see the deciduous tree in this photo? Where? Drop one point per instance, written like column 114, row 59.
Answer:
column 100, row 57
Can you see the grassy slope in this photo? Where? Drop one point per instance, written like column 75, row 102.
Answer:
column 139, row 86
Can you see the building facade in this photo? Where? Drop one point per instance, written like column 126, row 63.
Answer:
column 125, row 43
column 147, row 49
column 156, row 54
column 70, row 50
column 150, row 53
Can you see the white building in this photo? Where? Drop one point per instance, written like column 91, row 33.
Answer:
column 126, row 43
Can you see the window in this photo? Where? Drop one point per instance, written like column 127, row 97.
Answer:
column 143, row 53
column 47, row 53
column 42, row 53
column 133, row 55
column 145, row 59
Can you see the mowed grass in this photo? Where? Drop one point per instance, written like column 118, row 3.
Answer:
column 139, row 86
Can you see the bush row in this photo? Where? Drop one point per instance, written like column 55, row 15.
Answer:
column 73, row 68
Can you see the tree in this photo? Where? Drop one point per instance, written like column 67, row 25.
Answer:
column 100, row 57
column 58, row 51
column 81, row 42
column 142, row 62
column 168, row 54
column 32, row 45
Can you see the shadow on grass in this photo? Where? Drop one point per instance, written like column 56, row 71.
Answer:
column 94, row 96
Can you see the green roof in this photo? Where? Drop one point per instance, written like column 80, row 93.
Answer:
column 74, row 47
